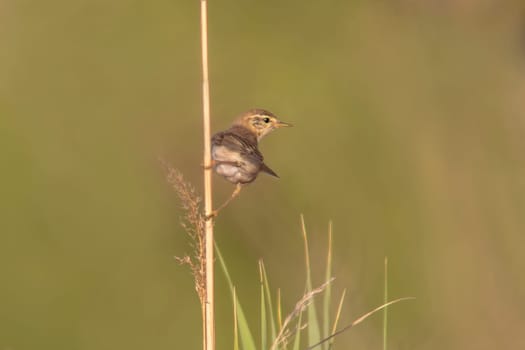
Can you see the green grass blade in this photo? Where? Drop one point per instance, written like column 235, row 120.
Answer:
column 328, row 291
column 235, row 323
column 279, row 309
column 314, row 334
column 264, row 322
column 385, row 310
column 297, row 340
column 247, row 340
column 269, row 303
column 337, row 317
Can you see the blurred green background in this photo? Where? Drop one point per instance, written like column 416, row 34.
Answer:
column 409, row 119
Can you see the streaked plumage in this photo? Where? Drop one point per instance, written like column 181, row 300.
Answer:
column 235, row 153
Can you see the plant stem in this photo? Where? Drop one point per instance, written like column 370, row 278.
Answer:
column 385, row 310
column 209, row 343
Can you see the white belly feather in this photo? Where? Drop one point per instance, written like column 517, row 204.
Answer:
column 233, row 166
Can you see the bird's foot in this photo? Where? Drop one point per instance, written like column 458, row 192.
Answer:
column 209, row 166
column 215, row 212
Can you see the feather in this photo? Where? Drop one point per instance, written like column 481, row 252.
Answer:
column 265, row 168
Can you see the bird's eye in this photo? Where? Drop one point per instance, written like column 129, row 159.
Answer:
column 266, row 120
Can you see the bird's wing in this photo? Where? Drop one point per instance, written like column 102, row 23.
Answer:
column 238, row 144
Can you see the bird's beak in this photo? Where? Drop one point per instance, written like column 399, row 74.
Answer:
column 280, row 124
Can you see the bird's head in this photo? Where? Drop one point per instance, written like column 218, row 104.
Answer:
column 260, row 122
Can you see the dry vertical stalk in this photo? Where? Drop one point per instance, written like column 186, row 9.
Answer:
column 209, row 305
column 198, row 227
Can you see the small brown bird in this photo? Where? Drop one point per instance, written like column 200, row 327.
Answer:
column 235, row 154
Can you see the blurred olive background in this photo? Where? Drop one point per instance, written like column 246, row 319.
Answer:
column 409, row 121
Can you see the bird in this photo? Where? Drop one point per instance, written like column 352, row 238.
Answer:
column 235, row 153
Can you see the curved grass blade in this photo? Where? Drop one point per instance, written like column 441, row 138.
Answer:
column 247, row 340
column 264, row 322
column 297, row 340
column 269, row 303
column 327, row 299
column 314, row 333
column 358, row 321
column 385, row 310
column 235, row 323
column 337, row 317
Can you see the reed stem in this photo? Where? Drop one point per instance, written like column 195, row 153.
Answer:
column 209, row 306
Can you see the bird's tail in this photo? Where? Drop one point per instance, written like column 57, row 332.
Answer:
column 266, row 169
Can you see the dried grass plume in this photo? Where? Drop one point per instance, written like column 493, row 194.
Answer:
column 193, row 222
column 286, row 332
